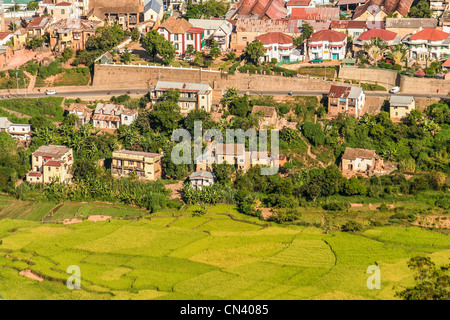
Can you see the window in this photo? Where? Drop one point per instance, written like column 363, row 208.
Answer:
column 63, row 11
column 190, row 37
column 175, row 37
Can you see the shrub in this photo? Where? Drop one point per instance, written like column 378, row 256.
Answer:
column 443, row 203
column 336, row 206
column 352, row 226
column 397, row 67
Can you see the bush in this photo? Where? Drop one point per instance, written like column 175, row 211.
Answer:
column 352, row 226
column 397, row 67
column 443, row 203
column 336, row 206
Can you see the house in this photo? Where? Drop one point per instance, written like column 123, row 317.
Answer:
column 50, row 163
column 125, row 13
column 258, row 9
column 248, row 29
column 38, row 26
column 21, row 132
column 346, row 99
column 105, row 58
column 201, row 179
column 327, row 44
column 403, row 27
column 111, row 116
column 349, row 5
column 215, row 29
column 278, row 46
column 349, row 27
column 400, row 107
column 153, row 10
column 192, row 95
column 6, row 37
column 83, row 113
column 439, row 7
column 58, row 10
column 182, row 34
column 428, row 44
column 315, row 14
column 145, row 165
column 378, row 10
column 361, row 161
column 232, row 153
column 269, row 116
column 20, row 39
column 71, row 33
column 293, row 4
column 391, row 38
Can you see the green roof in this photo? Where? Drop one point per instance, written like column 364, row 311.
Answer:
column 17, row 1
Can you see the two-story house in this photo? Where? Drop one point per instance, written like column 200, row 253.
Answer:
column 38, row 26
column 51, row 163
column 125, row 13
column 192, row 95
column 83, row 113
column 351, row 100
column 428, row 44
column 71, row 33
column 111, row 116
column 144, row 165
column 200, row 179
column 21, row 132
column 278, row 46
column 182, row 34
column 400, row 107
column 215, row 29
column 327, row 44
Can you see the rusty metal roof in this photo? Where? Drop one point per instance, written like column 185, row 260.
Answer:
column 315, row 13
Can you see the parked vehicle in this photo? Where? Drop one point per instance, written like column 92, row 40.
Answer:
column 395, row 90
column 51, row 92
column 318, row 60
column 291, row 93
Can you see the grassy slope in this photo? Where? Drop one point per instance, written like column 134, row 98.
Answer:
column 221, row 255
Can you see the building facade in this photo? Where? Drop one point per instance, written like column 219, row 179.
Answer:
column 144, row 165
column 182, row 34
column 327, row 44
column 111, row 116
column 278, row 46
column 346, row 99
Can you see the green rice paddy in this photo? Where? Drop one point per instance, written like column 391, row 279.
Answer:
column 220, row 255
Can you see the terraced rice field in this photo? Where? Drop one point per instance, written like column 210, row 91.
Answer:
column 221, row 255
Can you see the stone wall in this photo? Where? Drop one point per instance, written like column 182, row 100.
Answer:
column 145, row 77
column 414, row 85
column 369, row 75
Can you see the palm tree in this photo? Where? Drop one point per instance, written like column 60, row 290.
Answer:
column 375, row 48
column 398, row 53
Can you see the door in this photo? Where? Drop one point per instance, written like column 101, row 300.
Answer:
column 335, row 56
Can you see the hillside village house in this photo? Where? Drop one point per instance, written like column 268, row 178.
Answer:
column 71, row 33
column 361, row 161
column 233, row 154
column 38, row 26
column 201, row 179
column 404, row 27
column 349, row 27
column 125, row 13
column 215, row 29
column 5, row 37
column 278, row 46
column 258, row 9
column 182, row 34
column 21, row 132
column 83, row 113
column 192, row 95
column 400, row 107
column 50, row 163
column 327, row 44
column 111, row 116
column 346, row 99
column 145, row 165
column 349, row 5
column 391, row 38
column 153, row 10
column 378, row 10
column 428, row 44
column 59, row 9
column 293, row 4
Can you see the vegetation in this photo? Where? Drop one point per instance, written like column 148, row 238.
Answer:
column 156, row 44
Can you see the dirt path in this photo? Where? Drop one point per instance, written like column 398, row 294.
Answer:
column 29, row 274
column 32, row 80
column 312, row 155
column 175, row 188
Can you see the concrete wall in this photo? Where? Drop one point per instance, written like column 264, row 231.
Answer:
column 140, row 77
column 414, row 85
column 371, row 75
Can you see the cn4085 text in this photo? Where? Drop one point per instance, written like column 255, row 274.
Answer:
column 246, row 309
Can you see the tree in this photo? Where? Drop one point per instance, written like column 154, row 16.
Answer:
column 155, row 44
column 240, row 106
column 34, row 42
column 313, row 132
column 135, row 34
column 33, row 5
column 223, row 172
column 307, row 30
column 398, row 53
column 126, row 57
column 214, row 49
column 67, row 54
column 165, row 116
column 12, row 26
column 420, row 9
column 375, row 48
column 254, row 51
column 231, row 56
column 230, row 95
column 432, row 283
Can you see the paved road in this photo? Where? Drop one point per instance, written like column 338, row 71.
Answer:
column 93, row 94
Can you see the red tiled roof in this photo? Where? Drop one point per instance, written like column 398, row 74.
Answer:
column 195, row 30
column 274, row 9
column 387, row 6
column 303, row 3
column 63, row 4
column 339, row 91
column 274, row 37
column 315, row 13
column 3, row 35
column 174, row 25
column 34, row 174
column 103, row 117
column 378, row 33
column 430, row 35
column 328, row 35
column 446, row 63
column 53, row 163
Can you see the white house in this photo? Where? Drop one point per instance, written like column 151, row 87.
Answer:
column 182, row 34
column 153, row 10
column 278, row 46
column 111, row 116
column 428, row 44
column 20, row 132
column 215, row 29
column 327, row 44
column 201, row 179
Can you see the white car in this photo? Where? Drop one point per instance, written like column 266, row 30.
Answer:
column 50, row 92
column 395, row 90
